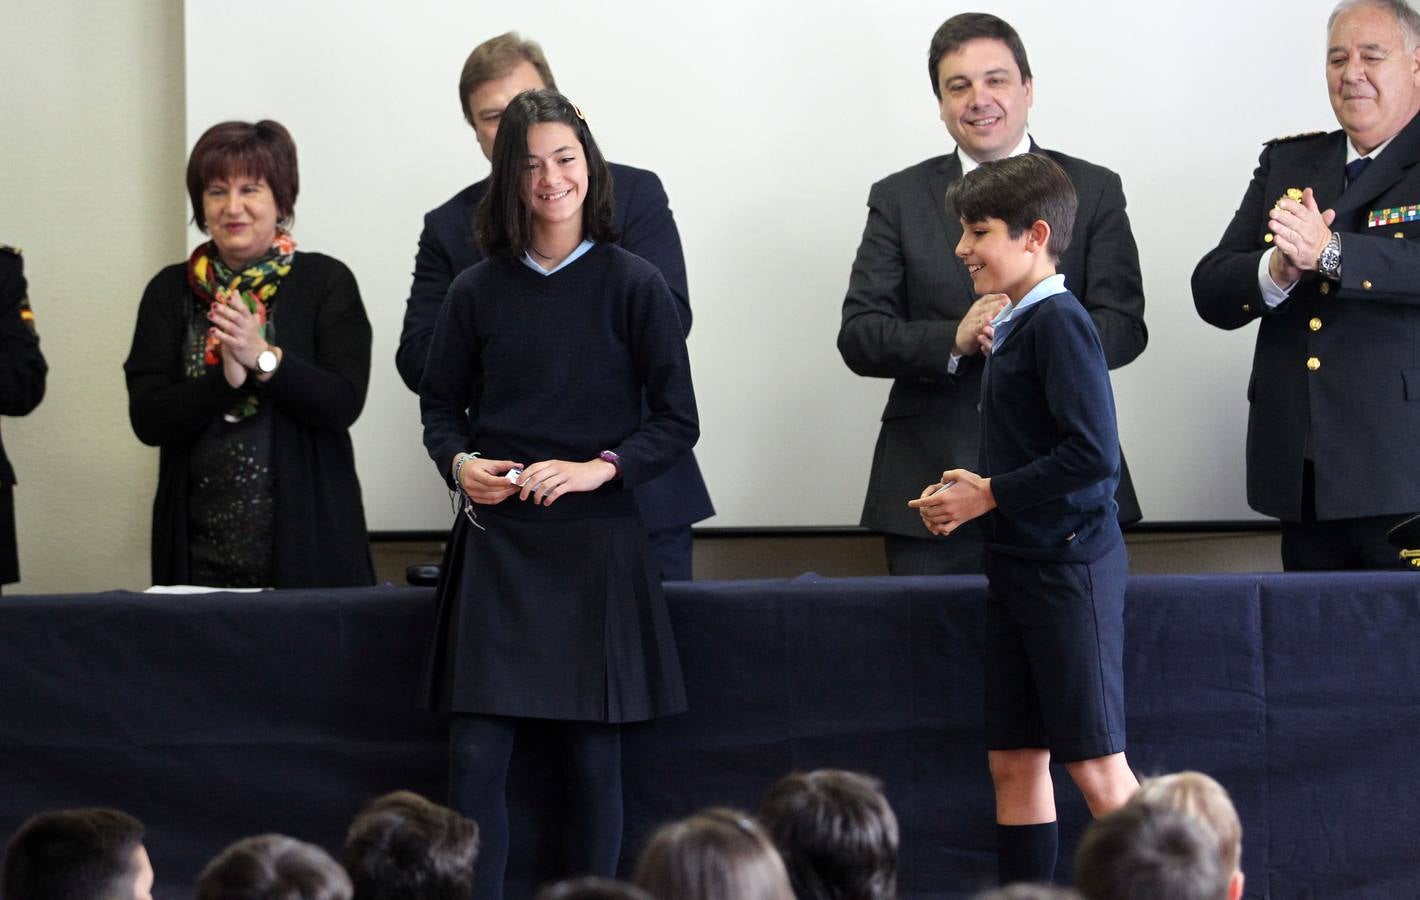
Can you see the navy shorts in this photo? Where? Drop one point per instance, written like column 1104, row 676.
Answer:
column 1054, row 655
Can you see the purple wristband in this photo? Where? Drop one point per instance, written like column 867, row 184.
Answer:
column 611, row 457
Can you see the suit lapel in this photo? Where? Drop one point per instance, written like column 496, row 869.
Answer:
column 467, row 241
column 1382, row 174
column 1328, row 178
column 942, row 176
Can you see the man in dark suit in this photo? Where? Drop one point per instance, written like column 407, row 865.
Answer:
column 1325, row 252
column 22, row 373
column 496, row 71
column 911, row 313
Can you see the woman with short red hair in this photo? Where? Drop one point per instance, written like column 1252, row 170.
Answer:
column 249, row 364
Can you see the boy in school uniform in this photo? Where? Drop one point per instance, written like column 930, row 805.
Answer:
column 1048, row 468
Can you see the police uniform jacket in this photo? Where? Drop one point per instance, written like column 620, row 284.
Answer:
column 22, row 374
column 1336, row 368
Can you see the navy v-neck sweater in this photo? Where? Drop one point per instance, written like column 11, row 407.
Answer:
column 554, row 366
column 1049, row 441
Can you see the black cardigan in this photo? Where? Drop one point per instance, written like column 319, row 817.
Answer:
column 315, row 396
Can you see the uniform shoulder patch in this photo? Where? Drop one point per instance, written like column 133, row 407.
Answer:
column 6, row 248
column 1288, row 138
column 27, row 315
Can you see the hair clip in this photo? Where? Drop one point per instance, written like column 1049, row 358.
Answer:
column 578, row 110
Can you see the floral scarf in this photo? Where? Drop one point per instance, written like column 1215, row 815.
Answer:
column 212, row 282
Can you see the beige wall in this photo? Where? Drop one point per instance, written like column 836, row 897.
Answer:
column 92, row 148
column 91, row 168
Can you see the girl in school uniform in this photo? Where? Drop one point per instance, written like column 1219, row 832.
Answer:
column 557, row 380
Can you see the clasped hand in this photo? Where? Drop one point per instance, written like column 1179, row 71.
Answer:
column 486, row 480
column 1300, row 231
column 974, row 331
column 238, row 331
column 965, row 500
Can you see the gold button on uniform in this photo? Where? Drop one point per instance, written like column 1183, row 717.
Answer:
column 1326, row 287
column 1267, row 238
column 1365, row 285
column 1314, row 324
column 1399, row 234
column 1313, row 364
column 1247, row 307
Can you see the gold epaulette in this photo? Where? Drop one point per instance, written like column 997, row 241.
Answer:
column 6, row 248
column 1288, row 138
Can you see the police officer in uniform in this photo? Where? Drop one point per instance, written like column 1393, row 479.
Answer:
column 1324, row 253
column 22, row 372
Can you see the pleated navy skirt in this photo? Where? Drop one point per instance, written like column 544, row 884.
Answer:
column 552, row 618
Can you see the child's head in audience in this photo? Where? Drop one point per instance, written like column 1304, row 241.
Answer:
column 836, row 833
column 717, row 854
column 273, row 867
column 1206, row 800
column 593, row 888
column 78, row 854
column 404, row 847
column 1029, row 892
column 1142, row 850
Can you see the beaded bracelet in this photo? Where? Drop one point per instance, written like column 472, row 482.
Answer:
column 458, row 467
column 464, row 500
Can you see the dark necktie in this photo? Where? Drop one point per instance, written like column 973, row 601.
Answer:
column 1355, row 167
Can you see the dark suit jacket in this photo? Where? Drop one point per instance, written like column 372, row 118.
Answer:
column 1338, row 363
column 22, row 374
column 643, row 217
column 908, row 292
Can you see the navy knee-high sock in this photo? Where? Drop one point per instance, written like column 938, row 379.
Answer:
column 1026, row 852
column 479, row 750
column 592, row 760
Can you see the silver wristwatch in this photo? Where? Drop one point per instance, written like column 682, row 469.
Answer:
column 266, row 361
column 1329, row 263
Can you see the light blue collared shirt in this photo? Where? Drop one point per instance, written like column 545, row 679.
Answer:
column 581, row 251
column 1048, row 287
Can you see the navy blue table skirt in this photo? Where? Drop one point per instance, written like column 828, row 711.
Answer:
column 214, row 717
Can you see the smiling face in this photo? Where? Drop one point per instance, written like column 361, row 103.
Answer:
column 487, row 101
column 984, row 101
column 1373, row 80
column 1001, row 264
column 241, row 217
column 555, row 185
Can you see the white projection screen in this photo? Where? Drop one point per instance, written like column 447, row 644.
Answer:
column 767, row 123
